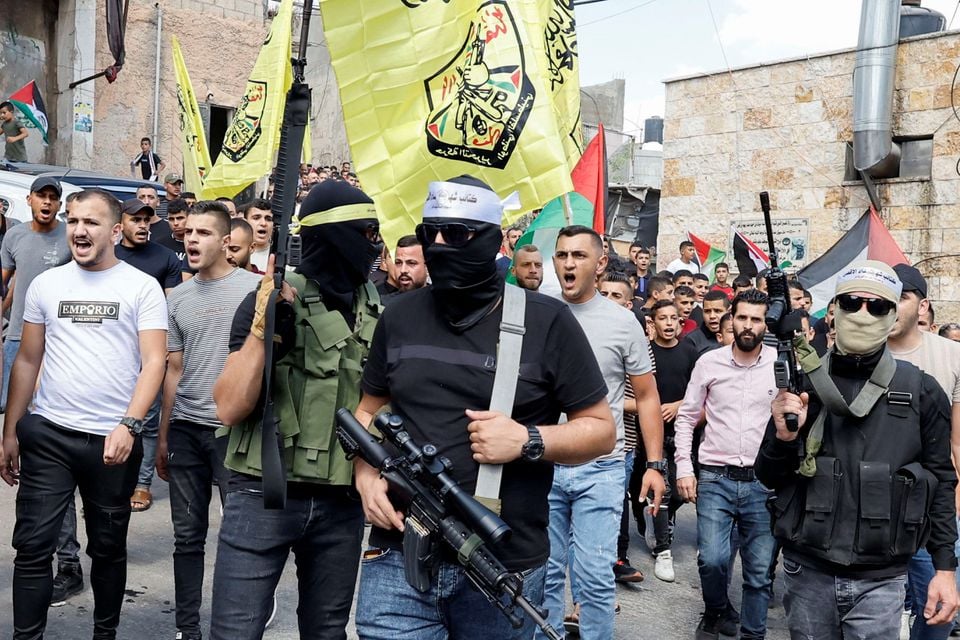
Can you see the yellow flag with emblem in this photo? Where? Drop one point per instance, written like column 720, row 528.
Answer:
column 434, row 89
column 250, row 143
column 554, row 34
column 193, row 141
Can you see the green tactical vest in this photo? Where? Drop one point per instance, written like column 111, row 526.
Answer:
column 318, row 376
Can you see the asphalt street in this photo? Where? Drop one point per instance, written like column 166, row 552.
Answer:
column 649, row 610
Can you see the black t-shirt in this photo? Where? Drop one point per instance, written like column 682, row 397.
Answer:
column 154, row 260
column 432, row 374
column 674, row 367
column 164, row 237
column 144, row 163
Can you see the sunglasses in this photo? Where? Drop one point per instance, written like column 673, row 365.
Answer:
column 877, row 307
column 372, row 232
column 455, row 234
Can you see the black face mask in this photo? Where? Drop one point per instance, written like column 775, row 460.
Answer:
column 338, row 258
column 465, row 282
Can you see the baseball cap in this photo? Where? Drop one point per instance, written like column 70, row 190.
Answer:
column 912, row 279
column 133, row 206
column 871, row 276
column 173, row 178
column 43, row 182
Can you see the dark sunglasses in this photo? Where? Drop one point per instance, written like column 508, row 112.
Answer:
column 455, row 234
column 372, row 232
column 877, row 307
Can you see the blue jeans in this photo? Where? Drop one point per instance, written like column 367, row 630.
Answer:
column 10, row 349
column 324, row 533
column 585, row 506
column 723, row 503
column 151, row 427
column 919, row 573
column 389, row 609
column 825, row 607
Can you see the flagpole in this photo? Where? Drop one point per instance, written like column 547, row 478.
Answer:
column 567, row 209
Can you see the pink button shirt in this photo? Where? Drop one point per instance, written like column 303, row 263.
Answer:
column 737, row 401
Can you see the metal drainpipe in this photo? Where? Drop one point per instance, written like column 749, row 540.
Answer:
column 156, row 86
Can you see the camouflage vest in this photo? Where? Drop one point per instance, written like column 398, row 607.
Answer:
column 319, row 375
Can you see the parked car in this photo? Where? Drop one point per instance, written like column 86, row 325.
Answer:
column 121, row 188
column 14, row 189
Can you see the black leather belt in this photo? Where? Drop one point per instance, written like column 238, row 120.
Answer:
column 739, row 474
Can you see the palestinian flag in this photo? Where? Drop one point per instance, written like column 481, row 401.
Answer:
column 27, row 99
column 868, row 239
column 707, row 255
column 590, row 179
column 751, row 259
column 542, row 232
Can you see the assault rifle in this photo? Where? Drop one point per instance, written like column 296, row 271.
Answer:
column 438, row 509
column 286, row 249
column 781, row 321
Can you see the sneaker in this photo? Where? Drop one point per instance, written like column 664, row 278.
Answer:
column 623, row 572
column 66, row 584
column 709, row 627
column 729, row 622
column 186, row 636
column 663, row 567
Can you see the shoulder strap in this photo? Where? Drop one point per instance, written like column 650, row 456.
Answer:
column 504, row 384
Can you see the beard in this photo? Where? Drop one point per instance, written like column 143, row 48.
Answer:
column 747, row 340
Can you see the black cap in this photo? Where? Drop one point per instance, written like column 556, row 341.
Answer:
column 133, row 206
column 43, row 182
column 912, row 279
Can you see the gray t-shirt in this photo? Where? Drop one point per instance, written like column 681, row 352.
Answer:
column 621, row 349
column 200, row 314
column 29, row 254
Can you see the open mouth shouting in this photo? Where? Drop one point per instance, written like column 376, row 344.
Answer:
column 82, row 247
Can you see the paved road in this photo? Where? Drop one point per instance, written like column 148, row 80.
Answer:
column 653, row 609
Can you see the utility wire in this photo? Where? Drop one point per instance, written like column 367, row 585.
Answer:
column 612, row 15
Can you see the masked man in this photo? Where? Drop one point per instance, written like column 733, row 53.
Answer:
column 433, row 358
column 325, row 329
column 866, row 480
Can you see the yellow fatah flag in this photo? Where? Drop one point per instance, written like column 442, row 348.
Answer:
column 250, row 144
column 432, row 90
column 554, row 34
column 196, row 155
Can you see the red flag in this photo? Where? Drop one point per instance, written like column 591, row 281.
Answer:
column 590, row 179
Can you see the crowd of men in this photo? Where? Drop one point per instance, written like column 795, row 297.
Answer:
column 635, row 393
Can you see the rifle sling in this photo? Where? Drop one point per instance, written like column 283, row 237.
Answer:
column 504, row 385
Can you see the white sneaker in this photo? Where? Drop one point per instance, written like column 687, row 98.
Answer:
column 663, row 567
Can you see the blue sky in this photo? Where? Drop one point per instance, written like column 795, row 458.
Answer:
column 647, row 41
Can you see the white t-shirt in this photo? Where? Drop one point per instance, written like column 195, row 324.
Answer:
column 91, row 358
column 679, row 264
column 259, row 258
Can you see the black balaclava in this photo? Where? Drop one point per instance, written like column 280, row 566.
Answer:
column 465, row 282
column 337, row 255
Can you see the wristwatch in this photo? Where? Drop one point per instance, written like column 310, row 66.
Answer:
column 658, row 465
column 532, row 449
column 133, row 425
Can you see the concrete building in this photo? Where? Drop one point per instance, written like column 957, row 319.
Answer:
column 786, row 127
column 98, row 125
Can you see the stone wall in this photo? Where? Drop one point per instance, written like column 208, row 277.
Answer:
column 784, row 128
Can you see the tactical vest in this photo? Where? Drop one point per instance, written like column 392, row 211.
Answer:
column 868, row 502
column 319, row 375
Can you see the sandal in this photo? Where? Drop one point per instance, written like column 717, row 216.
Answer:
column 141, row 500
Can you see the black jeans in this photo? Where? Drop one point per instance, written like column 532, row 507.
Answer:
column 324, row 533
column 192, row 463
column 54, row 461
